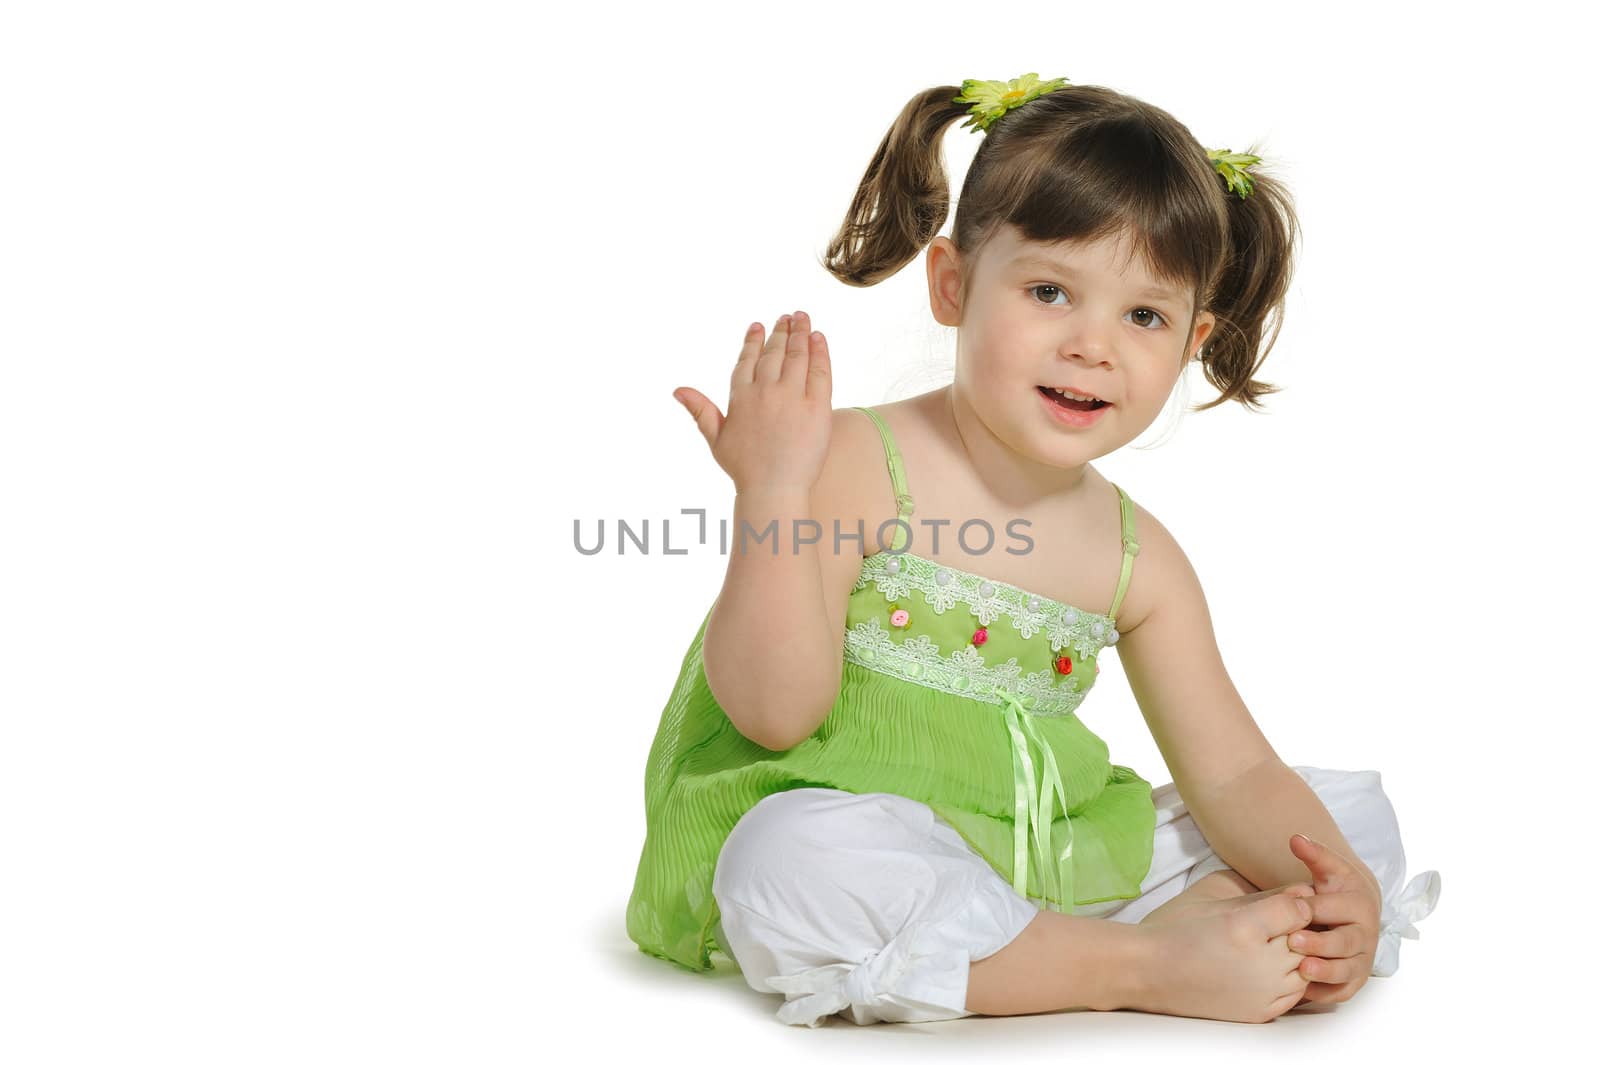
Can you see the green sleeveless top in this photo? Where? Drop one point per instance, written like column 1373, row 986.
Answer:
column 957, row 691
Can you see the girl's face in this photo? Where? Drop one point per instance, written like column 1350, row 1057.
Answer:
column 1042, row 316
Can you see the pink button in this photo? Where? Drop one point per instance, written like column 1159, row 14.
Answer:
column 899, row 619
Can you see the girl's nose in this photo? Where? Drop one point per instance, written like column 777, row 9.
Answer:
column 1087, row 337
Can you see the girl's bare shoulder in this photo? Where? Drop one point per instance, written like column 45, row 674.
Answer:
column 854, row 488
column 1153, row 567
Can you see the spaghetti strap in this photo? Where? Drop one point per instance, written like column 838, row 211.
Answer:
column 897, row 477
column 1130, row 547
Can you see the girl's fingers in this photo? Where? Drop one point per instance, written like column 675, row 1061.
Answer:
column 1334, row 956
column 1339, row 907
column 797, row 353
column 705, row 413
column 1334, row 970
column 1326, row 865
column 749, row 351
column 819, row 376
column 800, row 337
column 1317, row 993
column 766, row 368
column 744, row 371
column 1340, row 942
column 779, row 347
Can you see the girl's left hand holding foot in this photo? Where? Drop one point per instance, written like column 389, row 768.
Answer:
column 1342, row 938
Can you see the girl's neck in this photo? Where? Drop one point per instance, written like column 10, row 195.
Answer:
column 1013, row 480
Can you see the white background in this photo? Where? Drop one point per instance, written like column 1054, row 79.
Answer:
column 322, row 322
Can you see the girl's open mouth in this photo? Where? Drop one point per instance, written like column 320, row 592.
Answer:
column 1077, row 414
column 1071, row 404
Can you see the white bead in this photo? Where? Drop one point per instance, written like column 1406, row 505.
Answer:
column 1071, row 615
column 1033, row 602
column 985, row 589
column 1098, row 628
column 1112, row 637
column 943, row 577
column 893, row 565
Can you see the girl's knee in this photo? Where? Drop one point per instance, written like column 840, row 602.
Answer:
column 761, row 848
column 795, row 844
column 865, row 902
column 814, row 877
column 1349, row 793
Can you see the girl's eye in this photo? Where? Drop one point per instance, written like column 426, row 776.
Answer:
column 1156, row 315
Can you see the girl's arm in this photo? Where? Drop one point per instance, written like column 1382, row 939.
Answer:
column 774, row 643
column 1243, row 797
column 768, row 650
column 1195, row 714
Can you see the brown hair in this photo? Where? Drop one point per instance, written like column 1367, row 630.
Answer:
column 1082, row 163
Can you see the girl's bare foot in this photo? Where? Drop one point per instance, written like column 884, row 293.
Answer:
column 1220, row 892
column 1229, row 965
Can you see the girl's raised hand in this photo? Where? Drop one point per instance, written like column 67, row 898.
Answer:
column 780, row 410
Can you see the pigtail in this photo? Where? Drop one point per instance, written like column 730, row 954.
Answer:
column 1263, row 232
column 903, row 198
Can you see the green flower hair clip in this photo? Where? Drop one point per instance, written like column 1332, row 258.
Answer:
column 991, row 99
column 1231, row 165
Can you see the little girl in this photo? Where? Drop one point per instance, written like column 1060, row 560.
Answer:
column 869, row 787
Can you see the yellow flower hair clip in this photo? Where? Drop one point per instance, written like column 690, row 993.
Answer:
column 991, row 99
column 1231, row 165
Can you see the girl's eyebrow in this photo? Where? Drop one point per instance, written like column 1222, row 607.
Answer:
column 1052, row 264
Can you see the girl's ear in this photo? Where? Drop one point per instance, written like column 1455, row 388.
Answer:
column 1202, row 331
column 944, row 281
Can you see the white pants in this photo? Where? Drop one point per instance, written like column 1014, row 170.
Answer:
column 874, row 905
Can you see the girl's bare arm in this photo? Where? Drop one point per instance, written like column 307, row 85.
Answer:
column 774, row 642
column 771, row 656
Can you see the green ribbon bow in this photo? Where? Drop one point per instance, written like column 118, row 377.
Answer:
column 1034, row 812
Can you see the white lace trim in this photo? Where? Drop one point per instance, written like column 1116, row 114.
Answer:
column 943, row 587
column 917, row 659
